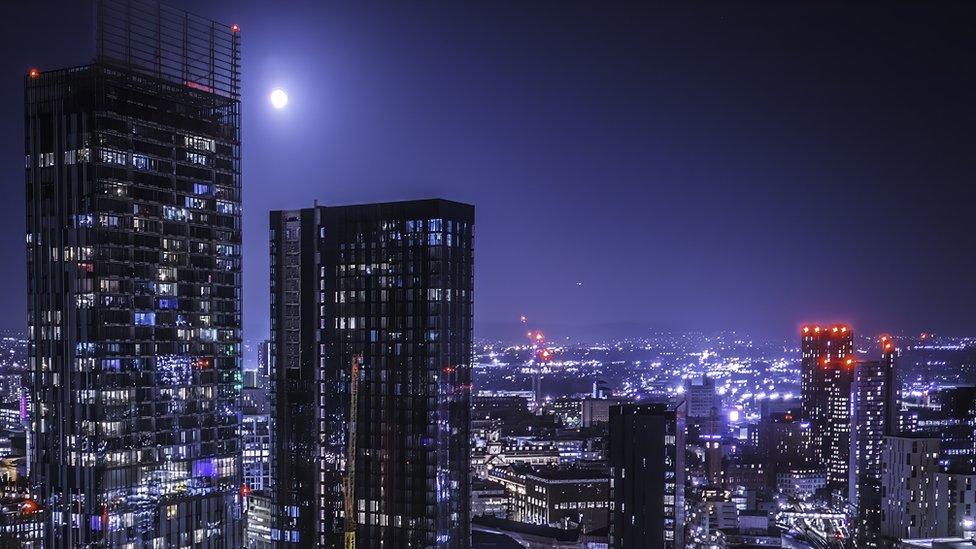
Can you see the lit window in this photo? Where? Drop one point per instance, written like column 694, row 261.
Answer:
column 114, row 157
column 145, row 319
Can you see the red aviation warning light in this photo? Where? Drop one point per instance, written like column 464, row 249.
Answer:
column 33, row 73
column 539, row 337
column 545, row 355
column 245, row 490
column 887, row 343
column 235, row 28
column 29, row 506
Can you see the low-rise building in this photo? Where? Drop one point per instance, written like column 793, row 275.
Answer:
column 561, row 498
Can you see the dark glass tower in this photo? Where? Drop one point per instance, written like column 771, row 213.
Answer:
column 827, row 370
column 873, row 397
column 133, row 254
column 647, row 476
column 371, row 327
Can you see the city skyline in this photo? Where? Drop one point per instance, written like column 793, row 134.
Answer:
column 751, row 176
column 663, row 194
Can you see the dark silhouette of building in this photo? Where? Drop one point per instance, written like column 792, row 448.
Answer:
column 827, row 370
column 647, row 475
column 784, row 444
column 873, row 404
column 371, row 342
column 952, row 418
column 133, row 236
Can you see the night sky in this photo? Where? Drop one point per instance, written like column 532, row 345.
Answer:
column 715, row 166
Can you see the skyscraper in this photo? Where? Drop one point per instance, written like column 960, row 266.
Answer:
column 371, row 325
column 646, row 483
column 133, row 245
column 827, row 370
column 872, row 410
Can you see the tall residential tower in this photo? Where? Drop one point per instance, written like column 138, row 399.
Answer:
column 873, row 407
column 134, row 280
column 371, row 327
column 827, row 370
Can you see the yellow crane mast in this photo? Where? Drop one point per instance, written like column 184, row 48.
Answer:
column 349, row 480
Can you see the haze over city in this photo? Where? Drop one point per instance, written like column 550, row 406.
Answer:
column 666, row 166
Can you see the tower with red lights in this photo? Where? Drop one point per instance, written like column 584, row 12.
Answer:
column 827, row 370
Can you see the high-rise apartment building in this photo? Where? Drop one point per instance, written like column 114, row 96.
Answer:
column 134, row 280
column 371, row 324
column 873, row 395
column 647, row 476
column 908, row 479
column 827, row 370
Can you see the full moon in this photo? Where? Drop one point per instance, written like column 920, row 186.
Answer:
column 279, row 98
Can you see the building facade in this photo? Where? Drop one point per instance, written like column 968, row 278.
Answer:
column 642, row 476
column 872, row 409
column 371, row 327
column 566, row 498
column 908, row 507
column 134, row 278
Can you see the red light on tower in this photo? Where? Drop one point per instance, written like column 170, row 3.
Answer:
column 33, row 73
column 539, row 336
column 806, row 329
column 887, row 343
column 545, row 355
column 235, row 28
column 29, row 506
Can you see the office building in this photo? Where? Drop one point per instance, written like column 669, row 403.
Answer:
column 703, row 400
column 873, row 403
column 827, row 370
column 133, row 260
column 646, row 483
column 371, row 311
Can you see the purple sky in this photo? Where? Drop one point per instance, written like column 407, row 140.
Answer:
column 712, row 167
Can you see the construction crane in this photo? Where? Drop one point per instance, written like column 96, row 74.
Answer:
column 349, row 480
